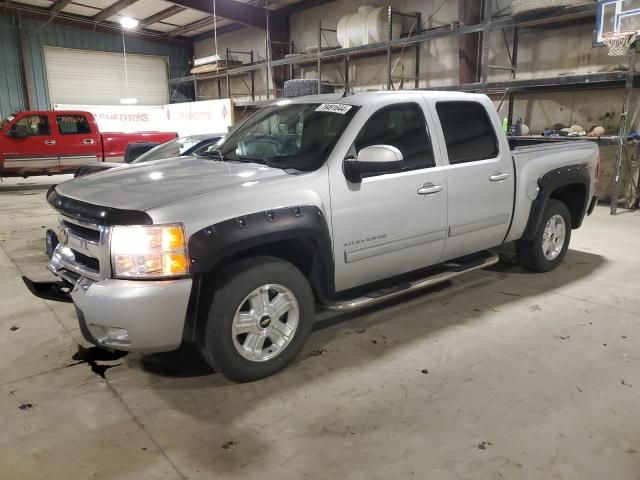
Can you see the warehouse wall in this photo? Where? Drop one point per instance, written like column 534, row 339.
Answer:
column 12, row 89
column 34, row 35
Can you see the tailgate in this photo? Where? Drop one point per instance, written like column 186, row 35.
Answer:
column 115, row 144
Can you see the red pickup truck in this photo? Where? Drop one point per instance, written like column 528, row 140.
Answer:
column 46, row 142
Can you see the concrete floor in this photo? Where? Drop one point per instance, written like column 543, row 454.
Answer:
column 503, row 374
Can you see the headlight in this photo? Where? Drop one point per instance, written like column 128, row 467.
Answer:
column 155, row 251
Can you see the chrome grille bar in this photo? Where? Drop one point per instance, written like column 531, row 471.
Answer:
column 90, row 241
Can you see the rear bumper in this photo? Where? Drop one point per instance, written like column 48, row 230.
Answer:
column 135, row 316
column 592, row 205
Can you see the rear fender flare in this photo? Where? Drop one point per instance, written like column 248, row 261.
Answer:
column 550, row 182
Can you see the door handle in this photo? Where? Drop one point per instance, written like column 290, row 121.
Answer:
column 88, row 141
column 49, row 142
column 429, row 189
column 498, row 177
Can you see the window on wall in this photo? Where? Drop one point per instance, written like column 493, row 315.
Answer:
column 468, row 132
column 73, row 125
column 402, row 126
column 32, row 126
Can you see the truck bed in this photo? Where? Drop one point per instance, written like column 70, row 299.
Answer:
column 535, row 157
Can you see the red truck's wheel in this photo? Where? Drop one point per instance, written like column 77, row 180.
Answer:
column 550, row 243
column 259, row 320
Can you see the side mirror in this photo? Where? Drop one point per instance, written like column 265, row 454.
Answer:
column 376, row 159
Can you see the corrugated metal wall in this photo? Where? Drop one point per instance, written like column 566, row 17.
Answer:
column 11, row 80
column 35, row 36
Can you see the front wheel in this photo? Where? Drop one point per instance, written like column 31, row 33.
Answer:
column 259, row 320
column 550, row 242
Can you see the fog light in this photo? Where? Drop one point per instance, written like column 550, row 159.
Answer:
column 113, row 335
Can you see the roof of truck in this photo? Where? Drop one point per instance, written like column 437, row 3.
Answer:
column 362, row 98
column 46, row 112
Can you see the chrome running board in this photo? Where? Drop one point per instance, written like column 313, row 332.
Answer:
column 455, row 268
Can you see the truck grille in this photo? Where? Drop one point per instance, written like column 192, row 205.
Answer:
column 83, row 251
column 81, row 232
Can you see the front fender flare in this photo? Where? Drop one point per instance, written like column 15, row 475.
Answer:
column 211, row 245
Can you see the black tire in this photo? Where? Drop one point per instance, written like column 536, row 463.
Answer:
column 237, row 282
column 530, row 255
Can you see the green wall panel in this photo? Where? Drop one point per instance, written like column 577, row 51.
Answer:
column 35, row 36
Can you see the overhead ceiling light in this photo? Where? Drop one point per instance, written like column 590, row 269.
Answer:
column 128, row 22
column 128, row 101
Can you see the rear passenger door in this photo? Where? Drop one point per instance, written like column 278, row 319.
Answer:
column 479, row 178
column 78, row 143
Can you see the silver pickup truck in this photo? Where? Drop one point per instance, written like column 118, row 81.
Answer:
column 325, row 202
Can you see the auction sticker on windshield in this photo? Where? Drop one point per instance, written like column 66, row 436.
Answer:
column 334, row 108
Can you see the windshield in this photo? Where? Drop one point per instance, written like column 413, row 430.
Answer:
column 174, row 148
column 297, row 136
column 4, row 121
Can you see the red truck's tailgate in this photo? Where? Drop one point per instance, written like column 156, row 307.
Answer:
column 115, row 144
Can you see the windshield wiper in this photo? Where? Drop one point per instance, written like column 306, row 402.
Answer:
column 214, row 155
column 259, row 160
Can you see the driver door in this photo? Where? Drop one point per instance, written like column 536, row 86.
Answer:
column 391, row 223
column 31, row 145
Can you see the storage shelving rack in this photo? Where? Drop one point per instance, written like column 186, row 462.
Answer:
column 416, row 38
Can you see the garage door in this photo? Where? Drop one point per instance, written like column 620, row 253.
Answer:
column 98, row 78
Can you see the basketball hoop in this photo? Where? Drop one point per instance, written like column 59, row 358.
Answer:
column 619, row 43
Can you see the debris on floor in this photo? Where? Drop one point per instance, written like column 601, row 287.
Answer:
column 484, row 445
column 26, row 406
column 317, row 353
column 13, row 328
column 91, row 356
column 229, row 444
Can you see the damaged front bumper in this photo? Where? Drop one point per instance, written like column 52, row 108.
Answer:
column 129, row 315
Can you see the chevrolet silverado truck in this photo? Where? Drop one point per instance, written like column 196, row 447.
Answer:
column 316, row 203
column 60, row 141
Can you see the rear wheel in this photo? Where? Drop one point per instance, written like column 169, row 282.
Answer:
column 259, row 319
column 550, row 242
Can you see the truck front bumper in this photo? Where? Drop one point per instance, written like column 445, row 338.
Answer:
column 135, row 316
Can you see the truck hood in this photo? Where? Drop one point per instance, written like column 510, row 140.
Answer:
column 145, row 186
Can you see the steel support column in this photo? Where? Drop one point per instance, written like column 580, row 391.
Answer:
column 470, row 13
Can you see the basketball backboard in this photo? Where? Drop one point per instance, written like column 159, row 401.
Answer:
column 617, row 16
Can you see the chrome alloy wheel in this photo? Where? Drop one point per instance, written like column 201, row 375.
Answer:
column 553, row 238
column 265, row 322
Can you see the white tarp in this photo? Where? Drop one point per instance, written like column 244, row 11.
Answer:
column 190, row 118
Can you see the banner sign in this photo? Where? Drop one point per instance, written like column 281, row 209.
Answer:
column 190, row 118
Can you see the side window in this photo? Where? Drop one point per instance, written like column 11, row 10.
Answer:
column 73, row 125
column 32, row 126
column 402, row 126
column 468, row 132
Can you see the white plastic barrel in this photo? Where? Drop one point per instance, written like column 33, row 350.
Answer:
column 367, row 25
